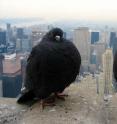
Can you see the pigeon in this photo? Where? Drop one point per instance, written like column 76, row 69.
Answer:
column 51, row 67
column 115, row 66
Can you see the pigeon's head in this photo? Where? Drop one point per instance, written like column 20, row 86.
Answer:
column 55, row 34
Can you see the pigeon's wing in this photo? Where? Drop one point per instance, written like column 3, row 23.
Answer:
column 63, row 63
column 73, row 58
column 36, row 71
column 74, row 55
column 115, row 66
column 33, row 68
column 32, row 54
column 33, row 76
column 25, row 97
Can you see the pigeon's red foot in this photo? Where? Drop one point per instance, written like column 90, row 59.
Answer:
column 61, row 96
column 48, row 102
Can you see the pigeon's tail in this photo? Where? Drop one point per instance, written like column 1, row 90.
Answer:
column 25, row 97
column 54, row 34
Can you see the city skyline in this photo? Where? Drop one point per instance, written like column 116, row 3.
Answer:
column 93, row 10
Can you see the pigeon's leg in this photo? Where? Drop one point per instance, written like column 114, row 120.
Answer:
column 61, row 96
column 48, row 102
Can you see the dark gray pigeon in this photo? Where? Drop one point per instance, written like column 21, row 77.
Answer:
column 51, row 67
column 115, row 66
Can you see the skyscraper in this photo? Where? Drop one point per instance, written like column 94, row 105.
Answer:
column 18, row 45
column 1, row 64
column 1, row 88
column 105, row 35
column 8, row 33
column 11, row 77
column 99, row 48
column 94, row 37
column 114, row 47
column 20, row 33
column 107, row 69
column 25, row 45
column 93, row 57
column 36, row 36
column 81, row 40
column 1, row 73
column 2, row 37
column 112, row 38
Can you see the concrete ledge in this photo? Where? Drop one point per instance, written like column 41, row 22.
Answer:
column 77, row 109
column 10, row 111
column 82, row 106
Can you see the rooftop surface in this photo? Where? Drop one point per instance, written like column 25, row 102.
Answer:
column 11, row 66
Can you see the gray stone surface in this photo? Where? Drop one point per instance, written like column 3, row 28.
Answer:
column 82, row 106
column 10, row 111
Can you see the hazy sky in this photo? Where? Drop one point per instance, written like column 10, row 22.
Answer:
column 60, row 9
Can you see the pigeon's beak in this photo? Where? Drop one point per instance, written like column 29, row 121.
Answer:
column 57, row 37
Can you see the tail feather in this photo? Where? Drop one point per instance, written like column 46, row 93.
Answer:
column 25, row 97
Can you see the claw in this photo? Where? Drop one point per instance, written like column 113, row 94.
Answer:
column 48, row 102
column 61, row 96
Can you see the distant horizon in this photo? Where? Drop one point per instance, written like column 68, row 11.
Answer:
column 66, row 24
column 39, row 20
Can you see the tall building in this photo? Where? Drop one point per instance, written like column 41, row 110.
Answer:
column 105, row 35
column 1, row 64
column 94, row 37
column 1, row 88
column 18, row 45
column 8, row 32
column 36, row 36
column 99, row 48
column 25, row 45
column 114, row 46
column 82, row 41
column 8, row 26
column 1, row 73
column 93, row 57
column 20, row 33
column 2, row 37
column 93, row 62
column 107, row 69
column 11, row 77
column 113, row 42
column 112, row 38
column 3, row 41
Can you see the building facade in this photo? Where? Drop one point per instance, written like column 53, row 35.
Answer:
column 99, row 49
column 108, row 70
column 1, row 88
column 81, row 39
column 3, row 37
column 36, row 36
column 112, row 38
column 11, row 77
column 20, row 33
column 94, row 37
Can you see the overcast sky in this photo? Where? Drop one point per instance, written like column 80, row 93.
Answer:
column 60, row 9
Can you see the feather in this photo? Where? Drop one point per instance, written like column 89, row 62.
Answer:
column 52, row 65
